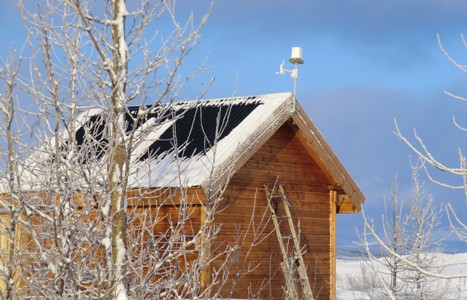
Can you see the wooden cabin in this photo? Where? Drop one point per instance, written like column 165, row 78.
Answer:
column 226, row 151
column 260, row 141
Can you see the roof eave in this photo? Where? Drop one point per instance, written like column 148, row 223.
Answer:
column 328, row 160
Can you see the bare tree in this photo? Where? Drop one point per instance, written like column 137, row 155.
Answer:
column 72, row 197
column 431, row 165
column 395, row 231
column 394, row 228
column 73, row 224
column 12, row 208
column 460, row 172
column 435, row 170
column 425, row 217
column 407, row 240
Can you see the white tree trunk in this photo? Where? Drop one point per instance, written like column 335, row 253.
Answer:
column 118, row 159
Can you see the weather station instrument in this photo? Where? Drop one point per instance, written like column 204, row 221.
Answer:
column 295, row 59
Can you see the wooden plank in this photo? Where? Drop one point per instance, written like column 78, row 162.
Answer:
column 298, row 175
column 312, row 203
column 333, row 195
column 274, row 153
column 236, row 217
column 282, row 168
column 246, row 208
column 161, row 218
column 311, row 246
column 309, row 233
column 166, row 196
column 135, row 197
column 270, row 249
column 205, row 276
column 259, row 268
column 347, row 207
column 297, row 187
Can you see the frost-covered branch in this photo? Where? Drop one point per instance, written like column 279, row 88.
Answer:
column 408, row 263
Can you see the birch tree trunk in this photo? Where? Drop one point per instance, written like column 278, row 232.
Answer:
column 12, row 207
column 118, row 159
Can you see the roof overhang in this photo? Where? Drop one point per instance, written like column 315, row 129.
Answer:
column 350, row 197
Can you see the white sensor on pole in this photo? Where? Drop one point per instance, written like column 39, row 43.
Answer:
column 295, row 59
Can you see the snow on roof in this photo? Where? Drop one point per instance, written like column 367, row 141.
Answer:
column 180, row 144
column 208, row 134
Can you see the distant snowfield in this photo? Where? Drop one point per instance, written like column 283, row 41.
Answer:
column 350, row 286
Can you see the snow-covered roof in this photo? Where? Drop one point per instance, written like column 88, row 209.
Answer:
column 193, row 143
column 178, row 144
column 203, row 138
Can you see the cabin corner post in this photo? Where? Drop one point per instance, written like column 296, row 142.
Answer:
column 4, row 244
column 10, row 242
column 205, row 251
column 334, row 198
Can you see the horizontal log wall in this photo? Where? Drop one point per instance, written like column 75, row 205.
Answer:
column 155, row 217
column 246, row 220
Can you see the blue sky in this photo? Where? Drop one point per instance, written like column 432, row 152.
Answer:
column 366, row 63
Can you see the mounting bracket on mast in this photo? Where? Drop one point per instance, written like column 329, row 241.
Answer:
column 295, row 59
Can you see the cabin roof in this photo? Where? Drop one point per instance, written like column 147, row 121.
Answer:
column 202, row 143
column 209, row 135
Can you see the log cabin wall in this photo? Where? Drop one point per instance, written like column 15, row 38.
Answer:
column 161, row 220
column 154, row 216
column 284, row 159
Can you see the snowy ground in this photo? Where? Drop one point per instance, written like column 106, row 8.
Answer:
column 350, row 284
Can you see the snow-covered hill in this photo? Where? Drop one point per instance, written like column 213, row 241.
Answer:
column 356, row 278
